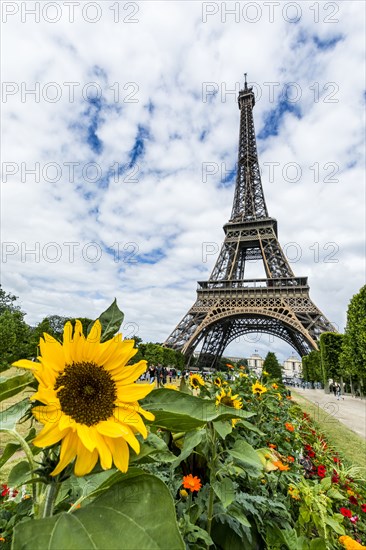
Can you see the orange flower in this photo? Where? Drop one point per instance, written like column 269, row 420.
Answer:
column 192, row 483
column 230, row 366
column 288, row 397
column 274, row 386
column 282, row 467
column 290, row 459
column 289, row 427
column 272, row 446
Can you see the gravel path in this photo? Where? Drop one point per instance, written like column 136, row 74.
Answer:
column 350, row 411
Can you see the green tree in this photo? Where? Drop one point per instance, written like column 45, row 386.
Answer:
column 330, row 350
column 312, row 367
column 353, row 355
column 14, row 332
column 272, row 366
column 7, row 302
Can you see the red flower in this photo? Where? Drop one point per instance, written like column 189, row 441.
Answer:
column 336, row 460
column 308, row 447
column 5, row 490
column 335, row 477
column 321, row 471
column 363, row 508
column 311, row 454
column 346, row 512
column 353, row 500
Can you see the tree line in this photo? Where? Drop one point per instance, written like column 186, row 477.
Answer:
column 342, row 357
column 19, row 340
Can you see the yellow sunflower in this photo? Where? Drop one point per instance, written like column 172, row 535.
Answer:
column 170, row 387
column 234, row 401
column 90, row 398
column 196, row 381
column 225, row 398
column 217, row 381
column 258, row 388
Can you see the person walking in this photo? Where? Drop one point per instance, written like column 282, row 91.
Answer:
column 335, row 389
column 338, row 392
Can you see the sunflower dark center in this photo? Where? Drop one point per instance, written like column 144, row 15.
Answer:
column 227, row 401
column 87, row 393
column 195, row 383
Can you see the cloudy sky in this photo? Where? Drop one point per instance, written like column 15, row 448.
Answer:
column 120, row 131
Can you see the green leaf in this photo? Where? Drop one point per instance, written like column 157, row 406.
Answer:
column 334, row 493
column 9, row 450
column 195, row 533
column 334, row 525
column 135, row 513
column 228, row 539
column 155, row 448
column 177, row 411
column 236, row 512
column 191, row 440
column 305, row 514
column 13, row 385
column 10, row 416
column 19, row 474
column 246, row 453
column 276, row 537
column 251, row 427
column 317, row 544
column 111, row 320
column 225, row 491
column 12, row 448
column 326, row 483
column 223, row 427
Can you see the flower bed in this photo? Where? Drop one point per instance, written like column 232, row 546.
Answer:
column 226, row 464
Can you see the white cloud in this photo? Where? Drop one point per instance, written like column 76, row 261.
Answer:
column 164, row 59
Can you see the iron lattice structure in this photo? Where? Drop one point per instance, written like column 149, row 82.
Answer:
column 228, row 305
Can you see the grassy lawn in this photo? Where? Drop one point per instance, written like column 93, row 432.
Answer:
column 344, row 440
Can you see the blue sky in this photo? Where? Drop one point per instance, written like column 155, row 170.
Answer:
column 135, row 160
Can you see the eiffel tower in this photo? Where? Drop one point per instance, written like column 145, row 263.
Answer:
column 228, row 305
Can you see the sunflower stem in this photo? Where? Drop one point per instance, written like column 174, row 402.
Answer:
column 32, row 465
column 212, row 478
column 51, row 494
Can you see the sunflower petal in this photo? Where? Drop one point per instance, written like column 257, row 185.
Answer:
column 120, row 452
column 51, row 352
column 106, row 349
column 85, row 460
column 67, row 453
column 66, row 422
column 133, row 419
column 104, row 452
column 133, row 392
column 49, row 436
column 92, row 343
column 78, row 342
column 47, row 414
column 112, row 428
column 46, row 396
column 128, row 375
column 26, row 364
column 87, row 436
column 67, row 343
column 122, row 355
